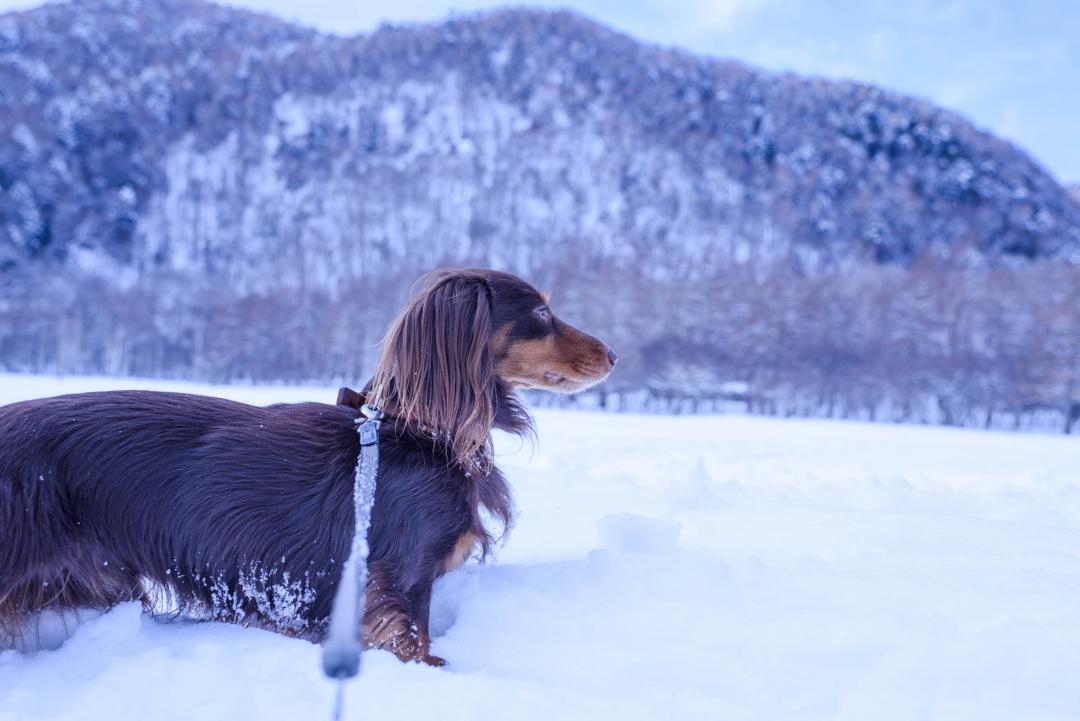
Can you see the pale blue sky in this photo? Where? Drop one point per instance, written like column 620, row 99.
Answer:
column 1012, row 67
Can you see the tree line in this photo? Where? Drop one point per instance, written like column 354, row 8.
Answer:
column 928, row 343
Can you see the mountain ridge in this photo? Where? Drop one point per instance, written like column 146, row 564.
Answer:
column 679, row 113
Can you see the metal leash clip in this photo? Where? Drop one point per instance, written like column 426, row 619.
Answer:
column 369, row 426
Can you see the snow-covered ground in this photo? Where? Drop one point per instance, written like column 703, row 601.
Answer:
column 716, row 567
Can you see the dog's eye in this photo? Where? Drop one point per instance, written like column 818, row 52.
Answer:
column 542, row 313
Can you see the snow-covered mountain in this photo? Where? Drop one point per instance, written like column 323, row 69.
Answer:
column 150, row 134
column 201, row 191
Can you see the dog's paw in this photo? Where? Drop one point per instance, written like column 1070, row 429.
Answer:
column 435, row 661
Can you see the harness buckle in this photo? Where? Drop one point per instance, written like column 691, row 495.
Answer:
column 369, row 425
column 371, row 413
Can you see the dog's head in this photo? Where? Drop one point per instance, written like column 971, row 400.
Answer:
column 535, row 349
column 467, row 335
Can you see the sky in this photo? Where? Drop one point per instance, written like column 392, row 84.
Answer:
column 1012, row 67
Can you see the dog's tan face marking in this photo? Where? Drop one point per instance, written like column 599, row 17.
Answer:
column 534, row 349
column 563, row 360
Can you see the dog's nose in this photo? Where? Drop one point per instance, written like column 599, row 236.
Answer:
column 612, row 357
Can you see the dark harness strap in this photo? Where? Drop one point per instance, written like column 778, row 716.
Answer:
column 349, row 398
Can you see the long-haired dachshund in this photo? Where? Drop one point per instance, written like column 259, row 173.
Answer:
column 245, row 514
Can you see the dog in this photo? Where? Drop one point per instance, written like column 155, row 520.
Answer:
column 244, row 514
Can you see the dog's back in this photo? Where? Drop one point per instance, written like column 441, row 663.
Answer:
column 99, row 491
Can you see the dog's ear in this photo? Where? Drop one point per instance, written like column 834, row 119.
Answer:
column 437, row 369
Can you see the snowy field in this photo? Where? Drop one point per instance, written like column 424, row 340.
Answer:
column 672, row 568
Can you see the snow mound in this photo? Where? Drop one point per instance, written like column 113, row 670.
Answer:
column 635, row 533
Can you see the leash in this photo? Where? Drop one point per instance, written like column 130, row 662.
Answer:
column 341, row 649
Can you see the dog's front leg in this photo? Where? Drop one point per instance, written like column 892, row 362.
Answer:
column 398, row 621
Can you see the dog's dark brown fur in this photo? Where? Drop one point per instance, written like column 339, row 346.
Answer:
column 245, row 513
